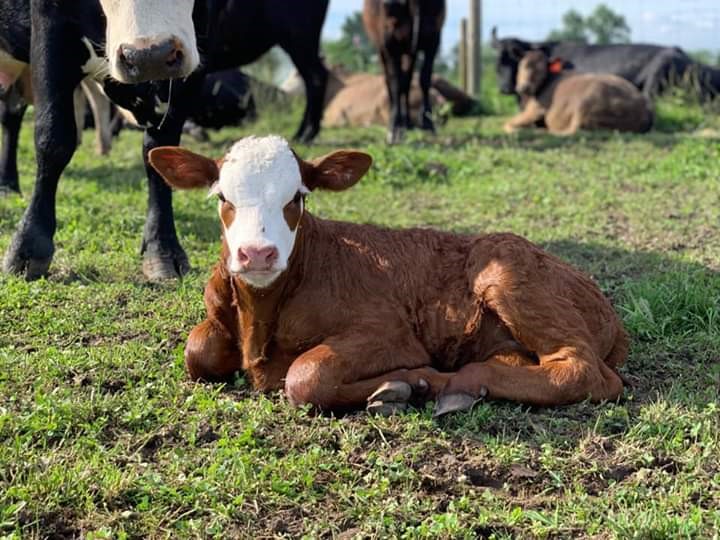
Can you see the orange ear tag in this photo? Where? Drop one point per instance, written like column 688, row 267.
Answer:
column 556, row 66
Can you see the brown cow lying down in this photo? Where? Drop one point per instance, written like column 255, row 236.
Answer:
column 568, row 102
column 361, row 99
column 341, row 315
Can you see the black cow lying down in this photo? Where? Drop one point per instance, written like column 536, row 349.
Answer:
column 651, row 68
column 146, row 41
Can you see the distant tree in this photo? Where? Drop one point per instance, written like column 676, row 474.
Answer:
column 607, row 26
column 573, row 28
column 602, row 26
column 353, row 50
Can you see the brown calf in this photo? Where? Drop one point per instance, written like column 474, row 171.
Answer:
column 568, row 102
column 361, row 99
column 342, row 315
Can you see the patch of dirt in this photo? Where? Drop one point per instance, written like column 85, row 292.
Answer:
column 165, row 437
column 54, row 525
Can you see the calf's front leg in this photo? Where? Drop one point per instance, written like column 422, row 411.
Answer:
column 342, row 373
column 529, row 116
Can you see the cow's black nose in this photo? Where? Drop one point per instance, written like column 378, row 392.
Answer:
column 154, row 61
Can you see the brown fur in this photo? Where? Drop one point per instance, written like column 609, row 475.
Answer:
column 568, row 102
column 360, row 306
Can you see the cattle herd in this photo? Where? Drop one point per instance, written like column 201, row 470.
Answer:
column 339, row 315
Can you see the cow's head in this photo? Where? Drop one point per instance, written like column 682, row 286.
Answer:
column 534, row 69
column 150, row 39
column 532, row 73
column 510, row 52
column 261, row 186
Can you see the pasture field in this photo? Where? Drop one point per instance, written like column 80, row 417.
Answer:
column 102, row 436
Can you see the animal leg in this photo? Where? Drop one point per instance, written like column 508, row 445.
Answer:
column 12, row 110
column 342, row 373
column 426, row 121
column 211, row 354
column 568, row 376
column 54, row 79
column 100, row 106
column 531, row 114
column 163, row 256
column 79, row 105
column 396, row 128
column 315, row 77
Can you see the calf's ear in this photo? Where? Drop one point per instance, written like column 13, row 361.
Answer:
column 336, row 171
column 183, row 169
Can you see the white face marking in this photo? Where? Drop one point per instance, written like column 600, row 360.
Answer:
column 148, row 22
column 259, row 177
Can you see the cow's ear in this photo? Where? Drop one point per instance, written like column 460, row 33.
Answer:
column 336, row 171
column 183, row 169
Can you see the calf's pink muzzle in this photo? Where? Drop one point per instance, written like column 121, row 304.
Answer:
column 254, row 259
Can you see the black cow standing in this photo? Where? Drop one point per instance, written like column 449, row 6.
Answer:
column 400, row 29
column 63, row 43
column 651, row 68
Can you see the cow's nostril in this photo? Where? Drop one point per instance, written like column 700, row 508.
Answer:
column 243, row 257
column 271, row 256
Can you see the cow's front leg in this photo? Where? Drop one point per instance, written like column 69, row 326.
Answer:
column 54, row 78
column 163, row 256
column 342, row 373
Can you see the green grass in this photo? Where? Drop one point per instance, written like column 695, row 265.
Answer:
column 101, row 435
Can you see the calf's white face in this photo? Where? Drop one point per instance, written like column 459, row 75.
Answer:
column 150, row 39
column 261, row 202
column 260, row 184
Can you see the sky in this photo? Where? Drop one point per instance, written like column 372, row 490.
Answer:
column 690, row 24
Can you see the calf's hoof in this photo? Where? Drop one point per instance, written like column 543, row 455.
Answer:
column 386, row 408
column 459, row 401
column 394, row 396
column 29, row 254
column 165, row 263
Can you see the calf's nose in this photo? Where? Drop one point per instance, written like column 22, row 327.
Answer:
column 142, row 61
column 254, row 258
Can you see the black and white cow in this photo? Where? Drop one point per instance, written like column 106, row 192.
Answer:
column 148, row 66
column 144, row 40
column 651, row 68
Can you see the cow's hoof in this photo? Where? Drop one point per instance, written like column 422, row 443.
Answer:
column 161, row 264
column 29, row 255
column 9, row 187
column 165, row 266
column 449, row 403
column 395, row 136
column 306, row 135
column 386, row 408
column 427, row 124
column 399, row 391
